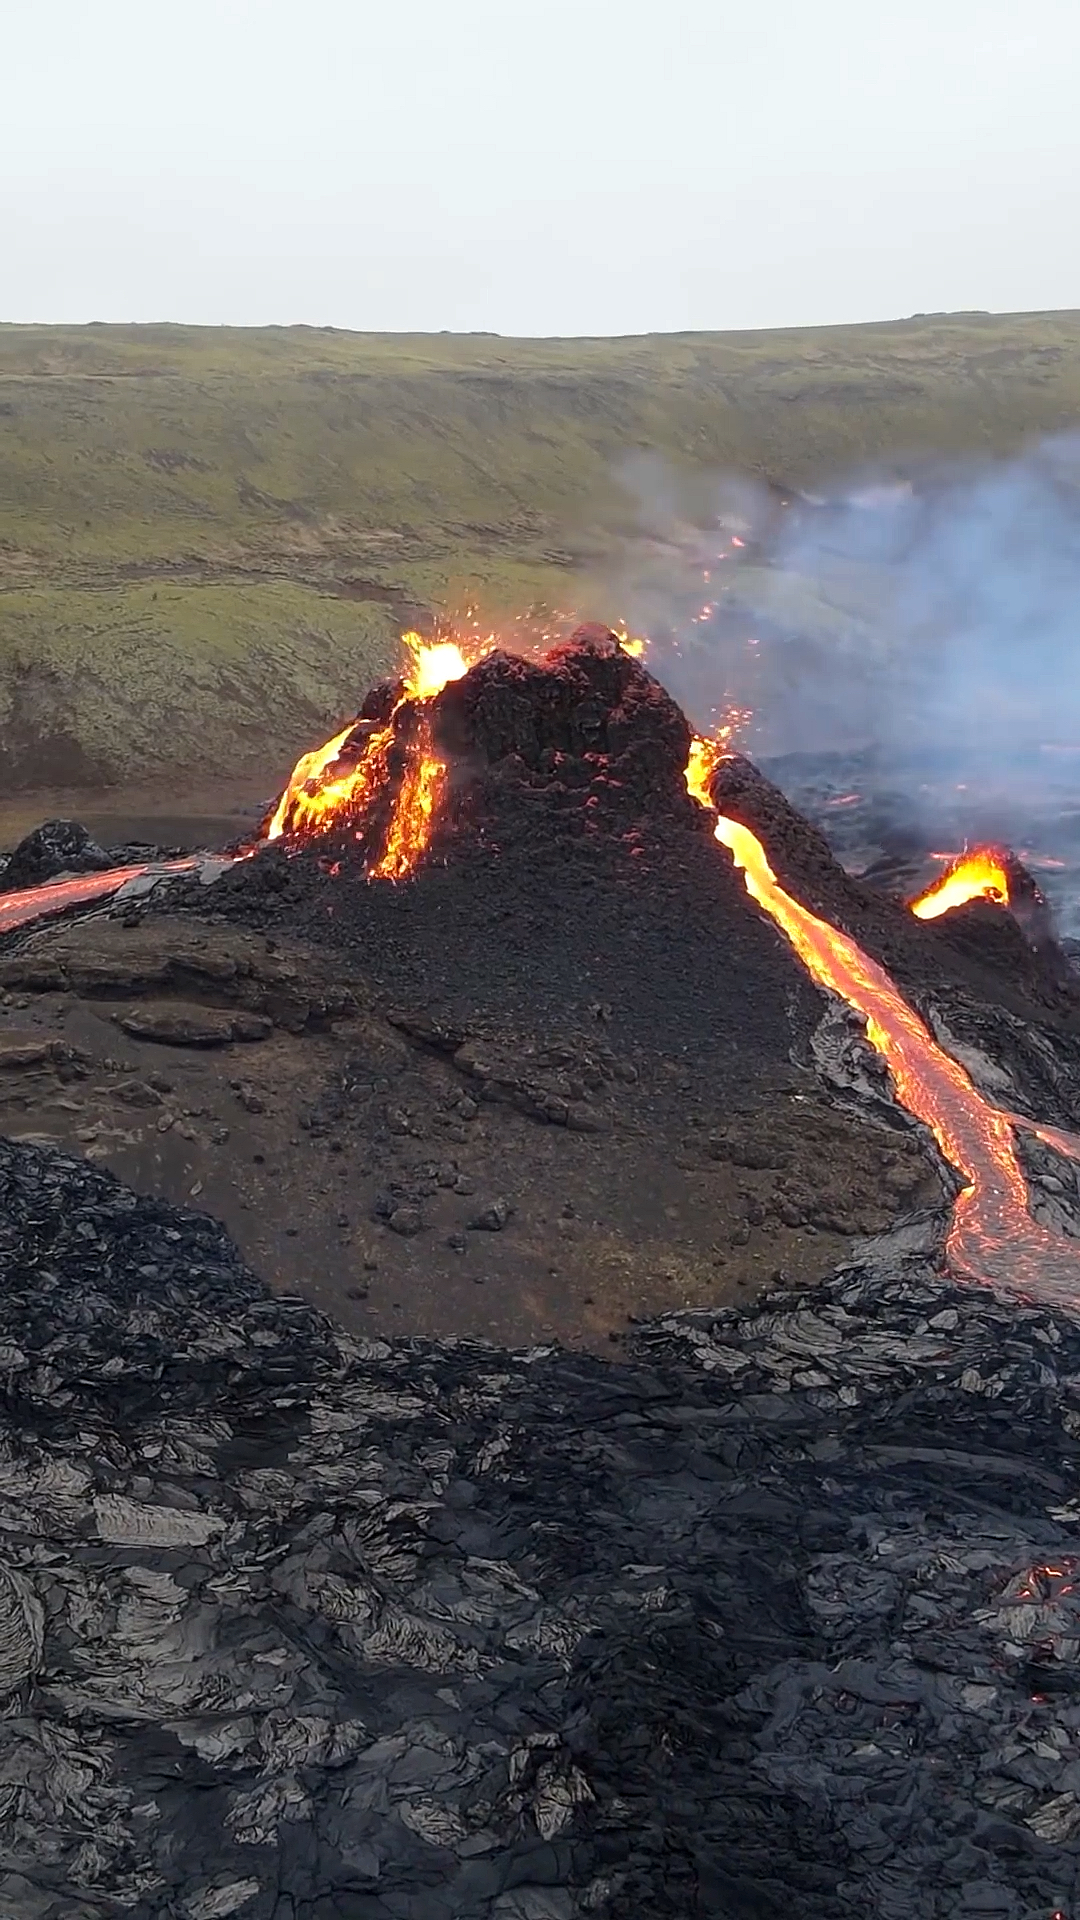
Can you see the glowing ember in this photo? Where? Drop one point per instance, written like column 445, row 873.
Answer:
column 980, row 875
column 1044, row 1583
column 993, row 1238
column 730, row 724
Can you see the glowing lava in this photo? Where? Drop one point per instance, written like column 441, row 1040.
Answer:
column 302, row 804
column 414, row 809
column 53, row 896
column 993, row 1238
column 980, row 875
column 434, row 664
column 705, row 757
column 341, row 778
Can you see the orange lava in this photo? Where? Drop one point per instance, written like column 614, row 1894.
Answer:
column 992, row 1238
column 414, row 810
column 433, row 665
column 980, row 875
column 34, row 903
column 705, row 757
column 301, row 804
column 329, row 784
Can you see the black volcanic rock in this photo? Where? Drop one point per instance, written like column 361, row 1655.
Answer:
column 587, row 712
column 570, row 878
column 779, row 1616
column 58, row 846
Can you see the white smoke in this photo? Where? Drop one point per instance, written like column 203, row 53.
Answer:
column 932, row 613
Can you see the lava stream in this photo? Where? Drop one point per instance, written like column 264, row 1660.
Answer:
column 329, row 786
column 414, row 809
column 52, row 896
column 993, row 1238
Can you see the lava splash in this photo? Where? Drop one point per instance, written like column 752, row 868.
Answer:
column 340, row 781
column 982, row 874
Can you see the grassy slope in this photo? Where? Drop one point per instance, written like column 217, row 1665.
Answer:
column 209, row 537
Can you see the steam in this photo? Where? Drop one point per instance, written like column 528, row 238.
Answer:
column 930, row 615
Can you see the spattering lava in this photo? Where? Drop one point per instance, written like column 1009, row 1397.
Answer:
column 337, row 782
column 992, row 1238
column 332, row 783
column 982, row 874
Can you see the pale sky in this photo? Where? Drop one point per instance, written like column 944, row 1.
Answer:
column 537, row 166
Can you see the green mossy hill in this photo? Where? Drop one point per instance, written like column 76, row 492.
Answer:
column 210, row 537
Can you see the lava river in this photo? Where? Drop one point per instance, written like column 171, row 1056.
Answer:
column 19, row 908
column 992, row 1238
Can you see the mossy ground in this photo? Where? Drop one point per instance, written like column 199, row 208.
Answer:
column 209, row 538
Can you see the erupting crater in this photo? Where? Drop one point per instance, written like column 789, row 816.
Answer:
column 584, row 740
column 414, row 758
column 343, row 784
column 588, row 713
column 992, row 877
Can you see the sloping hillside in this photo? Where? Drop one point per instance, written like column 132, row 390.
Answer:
column 209, row 538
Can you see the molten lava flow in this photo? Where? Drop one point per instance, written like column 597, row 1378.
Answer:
column 993, row 1238
column 310, row 801
column 330, row 783
column 980, row 875
column 414, row 809
column 705, row 757
column 17, row 909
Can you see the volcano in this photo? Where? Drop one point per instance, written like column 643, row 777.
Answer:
column 567, row 908
column 530, row 1018
column 584, row 752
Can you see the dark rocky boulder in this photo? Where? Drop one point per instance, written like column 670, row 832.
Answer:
column 57, row 846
